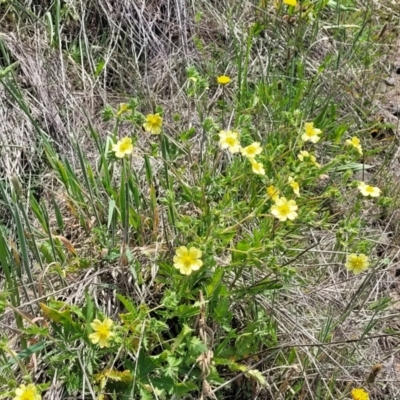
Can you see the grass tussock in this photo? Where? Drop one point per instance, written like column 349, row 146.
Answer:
column 197, row 201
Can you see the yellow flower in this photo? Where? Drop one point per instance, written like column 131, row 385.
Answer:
column 102, row 332
column 367, row 190
column 272, row 192
column 153, row 124
column 186, row 260
column 290, row 2
column 123, row 147
column 252, row 150
column 257, row 167
column 295, row 186
column 28, row 392
column 229, row 140
column 305, row 155
column 283, row 209
column 223, row 80
column 357, row 263
column 123, row 108
column 355, row 142
column 311, row 134
column 359, row 394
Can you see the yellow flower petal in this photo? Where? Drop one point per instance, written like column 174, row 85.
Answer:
column 27, row 392
column 359, row 394
column 195, row 253
column 123, row 108
column 223, row 80
column 295, row 186
column 355, row 143
column 273, row 192
column 257, row 167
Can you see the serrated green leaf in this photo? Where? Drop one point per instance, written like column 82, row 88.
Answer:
column 186, row 330
column 181, row 389
column 196, row 346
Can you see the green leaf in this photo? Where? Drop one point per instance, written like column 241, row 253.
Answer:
column 128, row 304
column 187, row 311
column 26, row 353
column 186, row 330
column 196, row 346
column 221, row 312
column 163, row 383
column 181, row 389
column 353, row 166
column 55, row 315
column 5, row 71
column 292, row 355
column 257, row 375
column 145, row 365
column 99, row 67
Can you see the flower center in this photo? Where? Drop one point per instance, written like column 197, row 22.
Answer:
column 369, row 189
column 231, row 141
column 103, row 331
column 187, row 260
column 284, row 209
column 28, row 395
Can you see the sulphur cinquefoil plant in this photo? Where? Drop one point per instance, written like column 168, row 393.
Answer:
column 206, row 213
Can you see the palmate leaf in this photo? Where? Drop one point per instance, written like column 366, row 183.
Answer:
column 186, row 330
column 196, row 346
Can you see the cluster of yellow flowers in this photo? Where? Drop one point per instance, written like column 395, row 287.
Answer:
column 230, row 140
column 189, row 260
column 124, row 146
column 284, row 209
column 365, row 190
column 306, row 156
